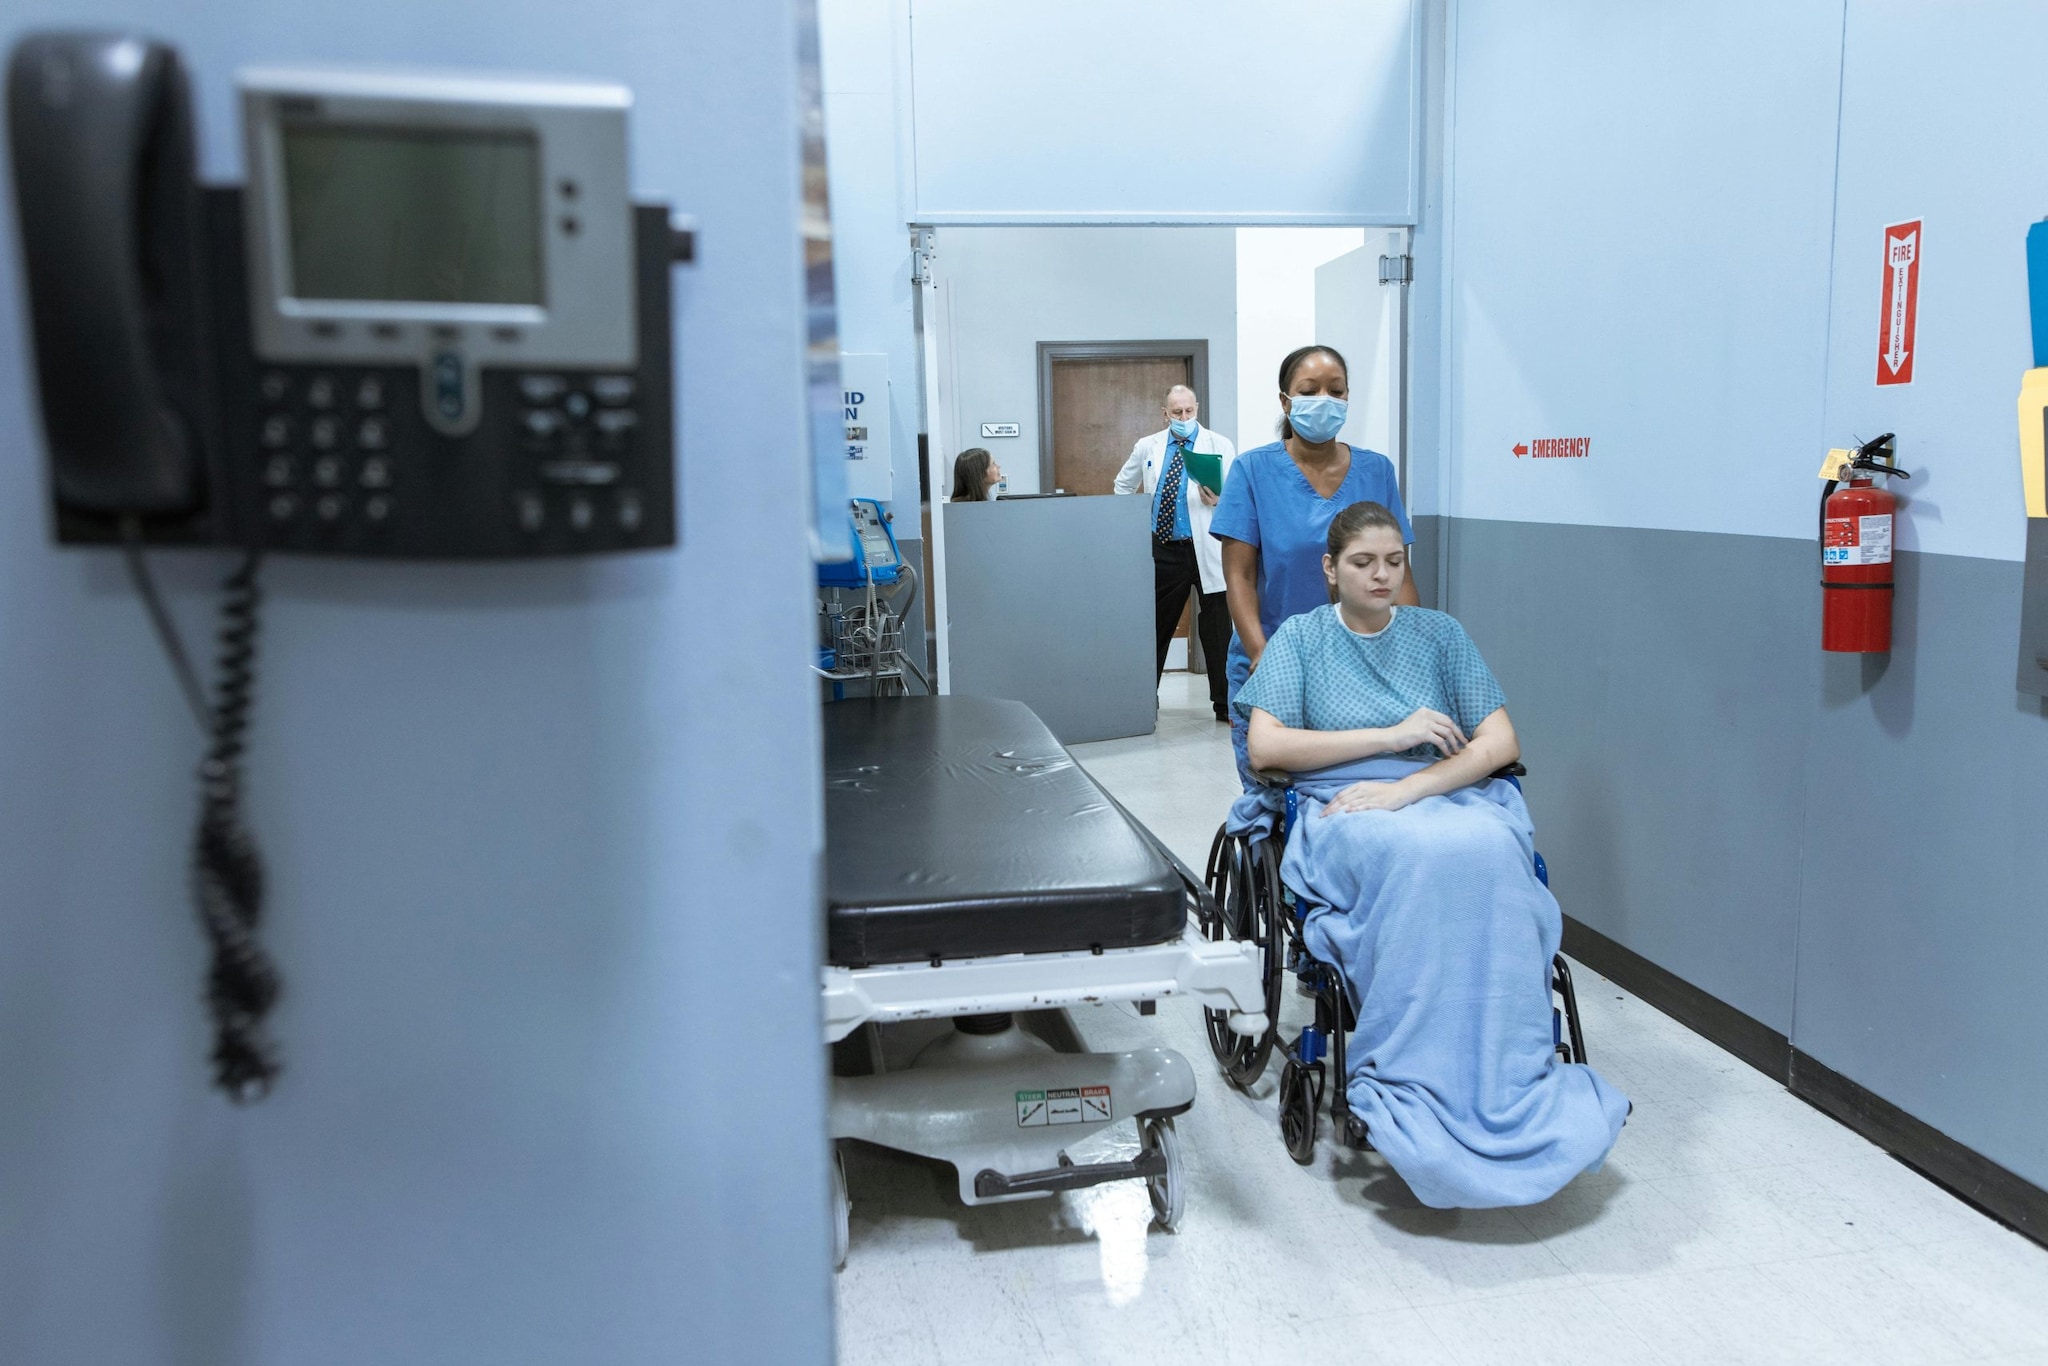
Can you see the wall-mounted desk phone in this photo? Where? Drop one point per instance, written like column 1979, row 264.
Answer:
column 433, row 324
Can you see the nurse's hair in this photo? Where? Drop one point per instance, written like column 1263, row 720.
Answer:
column 1293, row 363
column 1354, row 521
column 970, row 475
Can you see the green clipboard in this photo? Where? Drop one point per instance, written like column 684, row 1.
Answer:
column 1207, row 470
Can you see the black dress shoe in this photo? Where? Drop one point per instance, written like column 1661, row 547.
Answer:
column 1224, row 717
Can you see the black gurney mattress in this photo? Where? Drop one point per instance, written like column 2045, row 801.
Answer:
column 957, row 827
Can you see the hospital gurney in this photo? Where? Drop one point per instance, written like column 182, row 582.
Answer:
column 975, row 871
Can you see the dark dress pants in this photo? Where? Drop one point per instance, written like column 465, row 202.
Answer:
column 1174, row 576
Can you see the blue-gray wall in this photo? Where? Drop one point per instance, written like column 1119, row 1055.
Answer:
column 1665, row 234
column 555, row 1090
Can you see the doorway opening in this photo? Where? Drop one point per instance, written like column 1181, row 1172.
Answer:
column 1052, row 347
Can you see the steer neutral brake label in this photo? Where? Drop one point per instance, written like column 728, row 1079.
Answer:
column 1858, row 540
column 1064, row 1105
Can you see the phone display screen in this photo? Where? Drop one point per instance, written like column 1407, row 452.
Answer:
column 413, row 215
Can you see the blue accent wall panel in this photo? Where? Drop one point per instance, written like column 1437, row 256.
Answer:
column 1923, row 930
column 1662, row 684
column 1847, row 848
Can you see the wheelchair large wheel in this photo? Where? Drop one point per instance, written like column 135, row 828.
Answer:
column 1244, row 881
column 1301, row 1100
column 1169, row 1190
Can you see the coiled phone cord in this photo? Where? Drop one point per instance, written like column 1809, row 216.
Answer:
column 242, row 983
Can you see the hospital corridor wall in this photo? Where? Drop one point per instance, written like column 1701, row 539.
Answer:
column 503, row 841
column 1831, row 863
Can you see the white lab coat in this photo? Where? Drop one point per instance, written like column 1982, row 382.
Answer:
column 1141, row 472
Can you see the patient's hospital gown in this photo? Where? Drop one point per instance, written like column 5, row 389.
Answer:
column 1437, row 920
column 1319, row 674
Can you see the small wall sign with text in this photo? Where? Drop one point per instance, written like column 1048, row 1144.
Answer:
column 1901, row 309
column 999, row 429
column 1555, row 448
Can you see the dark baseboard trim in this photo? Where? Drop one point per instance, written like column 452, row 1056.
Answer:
column 1749, row 1039
column 2012, row 1200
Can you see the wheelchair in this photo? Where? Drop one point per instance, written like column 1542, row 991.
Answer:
column 1252, row 904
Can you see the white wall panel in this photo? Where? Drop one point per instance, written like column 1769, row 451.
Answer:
column 1941, row 122
column 1125, row 111
column 1641, row 207
column 1362, row 318
column 1276, row 313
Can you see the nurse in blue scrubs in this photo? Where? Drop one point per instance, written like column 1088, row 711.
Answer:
column 1275, row 515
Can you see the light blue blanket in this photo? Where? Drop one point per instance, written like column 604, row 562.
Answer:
column 1436, row 918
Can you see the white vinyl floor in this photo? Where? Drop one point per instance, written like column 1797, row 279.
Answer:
column 1732, row 1223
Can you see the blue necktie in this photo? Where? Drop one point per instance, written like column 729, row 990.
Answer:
column 1169, row 493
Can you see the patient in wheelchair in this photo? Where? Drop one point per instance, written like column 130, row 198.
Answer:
column 1413, row 869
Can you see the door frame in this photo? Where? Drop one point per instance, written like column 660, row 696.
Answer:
column 1193, row 350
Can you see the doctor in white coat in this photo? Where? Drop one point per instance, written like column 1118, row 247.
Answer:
column 1185, row 557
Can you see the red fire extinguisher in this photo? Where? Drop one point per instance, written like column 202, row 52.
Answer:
column 1856, row 552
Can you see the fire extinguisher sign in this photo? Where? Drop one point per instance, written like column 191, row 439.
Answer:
column 1858, row 540
column 1901, row 303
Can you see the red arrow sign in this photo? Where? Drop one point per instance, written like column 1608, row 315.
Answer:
column 1901, row 303
column 1520, row 450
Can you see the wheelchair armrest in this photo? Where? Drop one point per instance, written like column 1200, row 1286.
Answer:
column 1277, row 777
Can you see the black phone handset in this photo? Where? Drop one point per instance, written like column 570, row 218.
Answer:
column 101, row 142
column 100, row 127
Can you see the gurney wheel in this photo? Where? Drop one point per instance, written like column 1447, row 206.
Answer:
column 842, row 1210
column 1301, row 1097
column 1168, row 1192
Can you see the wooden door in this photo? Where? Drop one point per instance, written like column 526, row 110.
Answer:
column 1099, row 410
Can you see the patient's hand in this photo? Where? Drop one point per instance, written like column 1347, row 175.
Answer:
column 1426, row 727
column 1367, row 797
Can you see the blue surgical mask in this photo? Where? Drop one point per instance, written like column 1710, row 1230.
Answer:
column 1184, row 430
column 1316, row 418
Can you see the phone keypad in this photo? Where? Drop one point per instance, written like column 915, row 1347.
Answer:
column 324, row 434
column 345, row 463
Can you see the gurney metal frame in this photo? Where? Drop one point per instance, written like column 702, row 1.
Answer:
column 1224, row 975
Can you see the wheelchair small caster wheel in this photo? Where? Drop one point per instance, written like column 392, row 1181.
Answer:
column 842, row 1209
column 1301, row 1097
column 1169, row 1189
